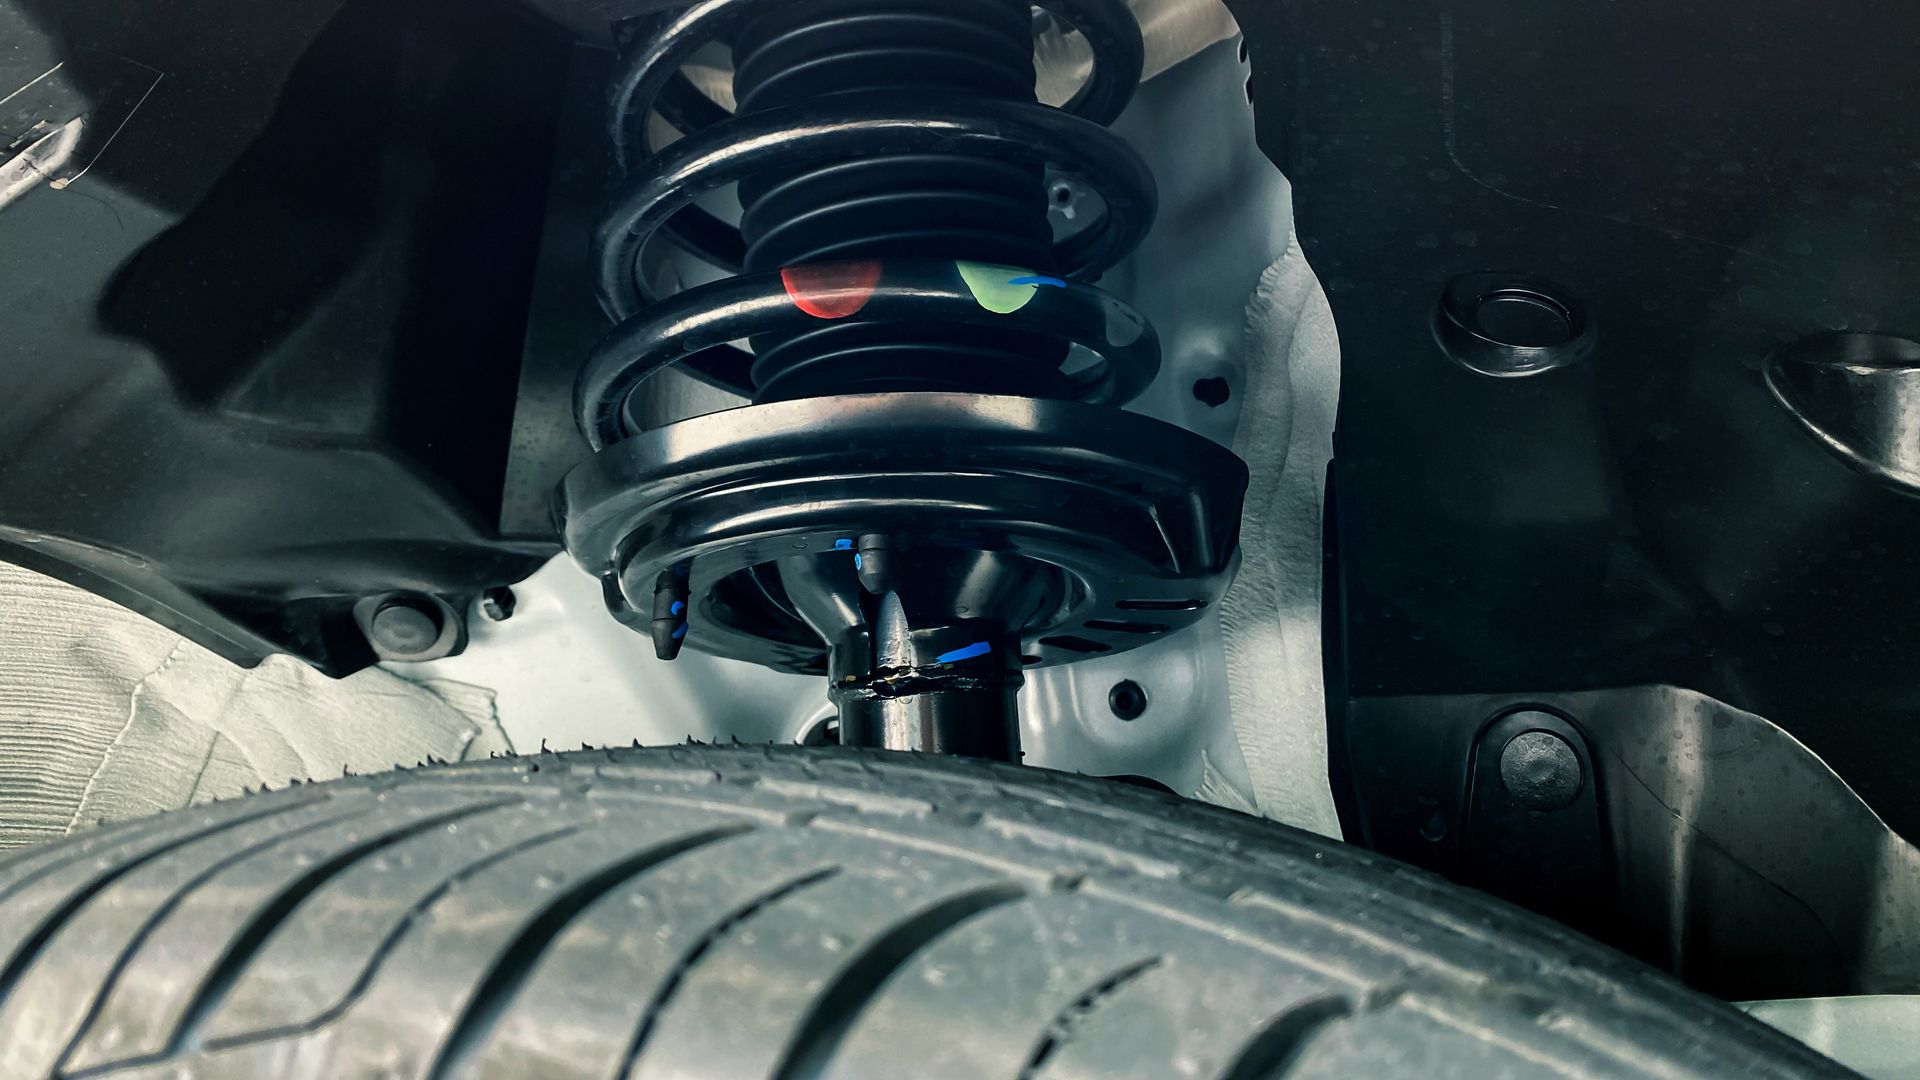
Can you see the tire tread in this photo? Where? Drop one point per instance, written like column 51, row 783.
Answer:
column 1302, row 956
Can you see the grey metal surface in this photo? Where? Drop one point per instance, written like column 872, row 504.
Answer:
column 52, row 131
column 972, row 720
column 1859, row 395
column 1739, row 846
column 1877, row 1036
column 26, row 163
column 897, row 691
column 1744, row 863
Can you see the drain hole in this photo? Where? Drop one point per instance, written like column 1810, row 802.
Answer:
column 1212, row 392
column 1127, row 699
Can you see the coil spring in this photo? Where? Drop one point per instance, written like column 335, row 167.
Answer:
column 890, row 159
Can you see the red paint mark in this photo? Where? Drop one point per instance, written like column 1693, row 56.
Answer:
column 831, row 290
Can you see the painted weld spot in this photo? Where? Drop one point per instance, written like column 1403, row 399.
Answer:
column 831, row 290
column 978, row 648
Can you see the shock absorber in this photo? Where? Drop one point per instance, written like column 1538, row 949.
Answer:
column 935, row 487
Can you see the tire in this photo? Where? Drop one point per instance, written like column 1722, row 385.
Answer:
column 751, row 912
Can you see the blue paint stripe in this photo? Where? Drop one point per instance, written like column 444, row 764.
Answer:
column 680, row 631
column 978, row 648
column 677, row 608
column 1039, row 279
column 843, row 545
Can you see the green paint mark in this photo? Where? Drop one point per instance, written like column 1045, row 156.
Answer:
column 993, row 287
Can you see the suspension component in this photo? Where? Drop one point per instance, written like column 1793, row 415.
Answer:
column 934, row 488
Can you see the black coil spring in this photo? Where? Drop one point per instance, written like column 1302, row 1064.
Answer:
column 874, row 130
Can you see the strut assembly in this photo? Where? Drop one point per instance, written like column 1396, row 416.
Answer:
column 936, row 486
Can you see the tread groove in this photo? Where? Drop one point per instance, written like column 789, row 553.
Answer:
column 386, row 946
column 691, row 958
column 56, row 855
column 247, row 944
column 159, row 913
column 1276, row 1048
column 1076, row 1012
column 508, row 974
column 49, row 926
column 834, row 1011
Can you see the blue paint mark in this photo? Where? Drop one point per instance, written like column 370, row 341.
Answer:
column 680, row 631
column 1039, row 279
column 978, row 648
column 677, row 608
column 843, row 544
column 856, row 560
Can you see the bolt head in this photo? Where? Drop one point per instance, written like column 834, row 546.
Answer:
column 1541, row 771
column 497, row 604
column 405, row 627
